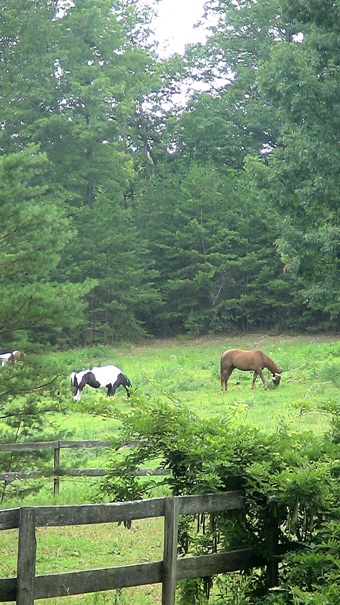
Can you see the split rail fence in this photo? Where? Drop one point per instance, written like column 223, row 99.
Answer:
column 57, row 470
column 28, row 586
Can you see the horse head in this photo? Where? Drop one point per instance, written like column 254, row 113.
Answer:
column 18, row 356
column 11, row 357
column 276, row 379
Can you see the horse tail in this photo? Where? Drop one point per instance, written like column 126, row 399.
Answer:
column 74, row 381
column 225, row 361
column 221, row 366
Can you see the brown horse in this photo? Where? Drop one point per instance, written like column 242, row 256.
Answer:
column 253, row 360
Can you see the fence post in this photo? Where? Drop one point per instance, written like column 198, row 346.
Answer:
column 170, row 551
column 27, row 548
column 55, row 469
column 272, row 541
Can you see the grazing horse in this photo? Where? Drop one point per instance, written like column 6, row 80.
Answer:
column 110, row 377
column 248, row 360
column 10, row 357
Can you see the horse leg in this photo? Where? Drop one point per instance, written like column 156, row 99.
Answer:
column 87, row 379
column 260, row 373
column 224, row 378
column 254, row 378
column 111, row 389
column 77, row 394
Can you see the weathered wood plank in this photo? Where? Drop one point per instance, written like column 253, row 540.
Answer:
column 86, row 514
column 95, row 580
column 208, row 503
column 72, row 472
column 85, row 444
column 25, row 447
column 82, row 472
column 51, row 445
column 120, row 511
column 209, row 565
column 170, row 551
column 9, row 518
column 86, row 472
column 13, row 475
column 27, row 548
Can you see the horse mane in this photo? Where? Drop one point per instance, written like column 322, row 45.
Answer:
column 271, row 365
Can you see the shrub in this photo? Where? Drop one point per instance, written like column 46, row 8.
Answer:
column 289, row 482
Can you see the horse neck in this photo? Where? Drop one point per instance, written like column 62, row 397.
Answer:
column 271, row 365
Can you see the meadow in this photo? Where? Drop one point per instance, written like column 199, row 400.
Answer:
column 185, row 372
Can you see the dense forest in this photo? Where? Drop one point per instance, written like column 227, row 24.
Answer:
column 143, row 195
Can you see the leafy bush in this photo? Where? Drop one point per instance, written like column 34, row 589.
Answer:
column 289, row 482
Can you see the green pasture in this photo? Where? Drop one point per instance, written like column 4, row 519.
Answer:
column 186, row 373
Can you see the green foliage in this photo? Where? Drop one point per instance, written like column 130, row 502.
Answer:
column 300, row 80
column 124, row 293
column 289, row 480
column 30, row 397
column 220, row 214
column 34, row 232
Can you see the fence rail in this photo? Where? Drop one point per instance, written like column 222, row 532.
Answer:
column 27, row 587
column 52, row 445
column 57, row 471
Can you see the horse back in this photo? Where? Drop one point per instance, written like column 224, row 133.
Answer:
column 243, row 360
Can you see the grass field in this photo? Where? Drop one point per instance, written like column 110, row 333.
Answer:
column 185, row 372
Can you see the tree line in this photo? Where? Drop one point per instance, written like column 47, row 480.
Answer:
column 129, row 207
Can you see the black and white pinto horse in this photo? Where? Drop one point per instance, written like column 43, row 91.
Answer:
column 110, row 377
column 10, row 357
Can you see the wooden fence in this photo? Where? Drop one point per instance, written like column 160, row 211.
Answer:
column 27, row 587
column 57, row 471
